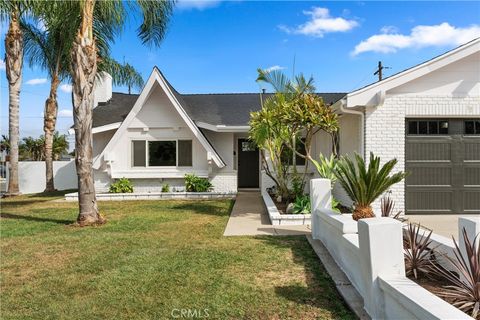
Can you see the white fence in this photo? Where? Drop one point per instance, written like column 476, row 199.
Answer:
column 31, row 176
column 370, row 253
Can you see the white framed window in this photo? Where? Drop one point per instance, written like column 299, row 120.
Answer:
column 161, row 153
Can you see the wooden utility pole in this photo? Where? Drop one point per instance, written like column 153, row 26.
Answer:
column 380, row 71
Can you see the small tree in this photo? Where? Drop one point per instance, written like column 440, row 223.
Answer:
column 300, row 112
column 270, row 135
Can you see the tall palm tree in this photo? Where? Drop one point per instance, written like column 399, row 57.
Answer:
column 110, row 15
column 13, row 10
column 49, row 47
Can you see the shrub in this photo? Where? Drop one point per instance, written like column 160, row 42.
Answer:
column 302, row 205
column 464, row 291
column 417, row 252
column 123, row 185
column 197, row 184
column 166, row 188
column 387, row 206
column 365, row 184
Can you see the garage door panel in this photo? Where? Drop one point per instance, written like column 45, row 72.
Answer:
column 444, row 168
column 471, row 150
column 471, row 200
column 428, row 151
column 471, row 176
column 429, row 201
column 429, row 176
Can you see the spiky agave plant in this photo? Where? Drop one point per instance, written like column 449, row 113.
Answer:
column 417, row 251
column 365, row 184
column 464, row 287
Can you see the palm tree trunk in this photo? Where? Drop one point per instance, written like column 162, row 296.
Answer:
column 49, row 122
column 13, row 63
column 84, row 68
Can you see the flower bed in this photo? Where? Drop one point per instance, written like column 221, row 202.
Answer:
column 276, row 218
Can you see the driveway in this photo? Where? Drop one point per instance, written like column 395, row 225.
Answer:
column 442, row 224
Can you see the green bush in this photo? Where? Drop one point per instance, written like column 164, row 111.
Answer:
column 166, row 188
column 302, row 205
column 123, row 185
column 197, row 184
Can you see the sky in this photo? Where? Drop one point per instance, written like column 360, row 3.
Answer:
column 217, row 46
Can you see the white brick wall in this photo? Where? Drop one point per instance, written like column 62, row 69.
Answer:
column 385, row 128
column 224, row 181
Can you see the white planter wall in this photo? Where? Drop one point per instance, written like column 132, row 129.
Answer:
column 370, row 253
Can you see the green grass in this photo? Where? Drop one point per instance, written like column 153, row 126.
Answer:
column 150, row 258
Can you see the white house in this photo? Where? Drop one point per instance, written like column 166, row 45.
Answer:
column 428, row 117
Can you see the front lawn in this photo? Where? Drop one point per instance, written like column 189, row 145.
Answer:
column 153, row 259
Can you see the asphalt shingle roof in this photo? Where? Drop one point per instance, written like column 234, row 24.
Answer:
column 230, row 109
column 115, row 110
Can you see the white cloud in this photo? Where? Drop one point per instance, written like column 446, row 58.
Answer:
column 62, row 113
column 2, row 65
column 273, row 68
column 66, row 88
column 420, row 36
column 65, row 113
column 320, row 23
column 34, row 82
column 197, row 4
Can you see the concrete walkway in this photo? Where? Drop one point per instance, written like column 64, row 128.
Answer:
column 442, row 224
column 249, row 218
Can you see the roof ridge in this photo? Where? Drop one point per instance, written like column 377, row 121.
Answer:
column 245, row 93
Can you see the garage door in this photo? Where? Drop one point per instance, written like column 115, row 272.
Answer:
column 443, row 158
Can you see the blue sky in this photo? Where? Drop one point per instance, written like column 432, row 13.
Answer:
column 214, row 47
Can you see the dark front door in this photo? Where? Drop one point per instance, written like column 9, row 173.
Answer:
column 443, row 158
column 248, row 165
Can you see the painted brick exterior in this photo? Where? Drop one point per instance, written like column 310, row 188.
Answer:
column 385, row 128
column 222, row 182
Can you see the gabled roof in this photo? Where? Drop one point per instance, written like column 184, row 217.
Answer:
column 374, row 94
column 224, row 109
column 157, row 77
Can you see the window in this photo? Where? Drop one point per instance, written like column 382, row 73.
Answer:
column 427, row 127
column 471, row 127
column 288, row 157
column 162, row 153
column 184, row 153
column 139, row 153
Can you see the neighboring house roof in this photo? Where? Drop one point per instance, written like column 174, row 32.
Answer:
column 225, row 109
column 374, row 94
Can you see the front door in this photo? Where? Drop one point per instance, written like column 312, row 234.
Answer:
column 248, row 164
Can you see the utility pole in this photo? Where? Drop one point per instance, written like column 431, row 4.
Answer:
column 380, row 71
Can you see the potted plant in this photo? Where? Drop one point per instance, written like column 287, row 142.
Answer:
column 365, row 184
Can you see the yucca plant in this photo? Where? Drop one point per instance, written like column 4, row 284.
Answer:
column 464, row 290
column 417, row 251
column 365, row 184
column 387, row 207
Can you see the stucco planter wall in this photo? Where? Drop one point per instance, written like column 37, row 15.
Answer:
column 157, row 196
column 283, row 219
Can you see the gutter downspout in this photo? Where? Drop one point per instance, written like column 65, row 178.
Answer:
column 343, row 103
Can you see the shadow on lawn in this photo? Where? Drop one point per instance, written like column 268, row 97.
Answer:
column 204, row 207
column 320, row 290
column 31, row 218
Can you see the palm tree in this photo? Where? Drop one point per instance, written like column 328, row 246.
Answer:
column 31, row 149
column 365, row 184
column 49, row 47
column 86, row 45
column 13, row 63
